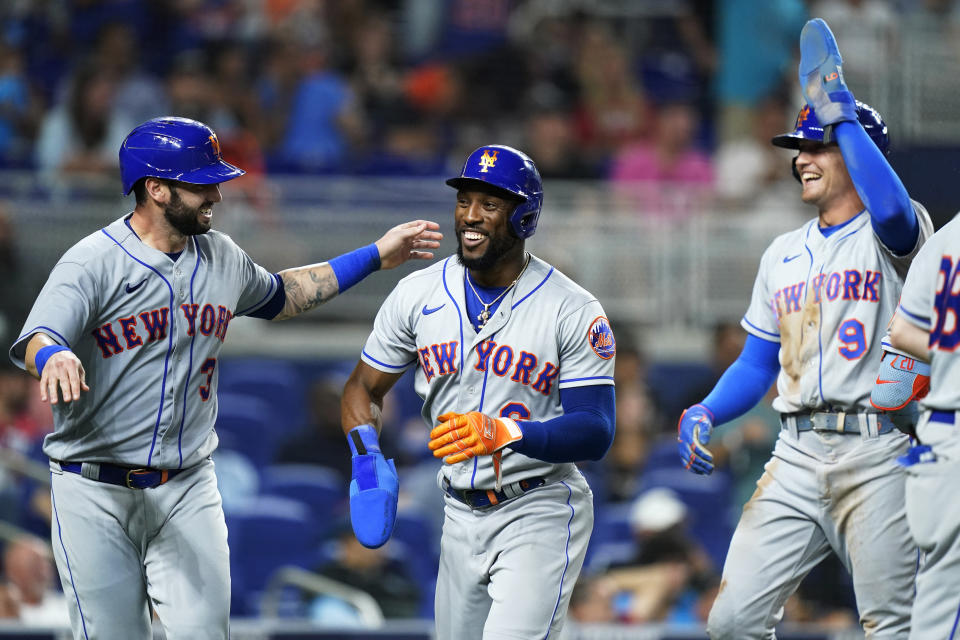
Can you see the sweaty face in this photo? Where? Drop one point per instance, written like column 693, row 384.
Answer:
column 483, row 229
column 191, row 214
column 823, row 173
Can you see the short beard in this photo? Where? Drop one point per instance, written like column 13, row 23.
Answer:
column 183, row 218
column 498, row 247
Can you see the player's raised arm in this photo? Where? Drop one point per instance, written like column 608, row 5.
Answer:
column 56, row 367
column 861, row 135
column 312, row 285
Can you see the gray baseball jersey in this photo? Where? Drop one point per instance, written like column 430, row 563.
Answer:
column 929, row 301
column 548, row 334
column 148, row 330
column 826, row 300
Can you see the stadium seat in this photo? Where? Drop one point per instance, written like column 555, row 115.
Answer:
column 244, row 424
column 277, row 382
column 319, row 487
column 265, row 534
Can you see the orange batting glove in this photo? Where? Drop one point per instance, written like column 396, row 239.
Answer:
column 460, row 437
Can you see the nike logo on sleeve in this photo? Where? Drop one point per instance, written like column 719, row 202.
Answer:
column 131, row 288
column 427, row 311
column 787, row 259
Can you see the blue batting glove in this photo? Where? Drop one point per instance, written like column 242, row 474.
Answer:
column 821, row 75
column 374, row 487
column 693, row 433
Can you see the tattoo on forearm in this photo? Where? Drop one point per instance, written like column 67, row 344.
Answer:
column 306, row 288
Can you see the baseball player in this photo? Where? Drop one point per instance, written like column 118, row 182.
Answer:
column 820, row 303
column 925, row 327
column 514, row 363
column 124, row 338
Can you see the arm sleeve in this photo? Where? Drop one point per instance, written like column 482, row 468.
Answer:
column 583, row 432
column 879, row 187
column 745, row 381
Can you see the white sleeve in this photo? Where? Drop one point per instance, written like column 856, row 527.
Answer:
column 916, row 298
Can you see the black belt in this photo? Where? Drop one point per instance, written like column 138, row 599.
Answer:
column 948, row 417
column 482, row 498
column 829, row 421
column 132, row 478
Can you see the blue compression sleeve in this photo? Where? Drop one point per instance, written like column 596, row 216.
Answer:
column 583, row 432
column 745, row 381
column 879, row 187
column 351, row 268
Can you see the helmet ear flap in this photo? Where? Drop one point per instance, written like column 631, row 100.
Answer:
column 793, row 170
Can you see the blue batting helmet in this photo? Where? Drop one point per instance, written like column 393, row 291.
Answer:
column 175, row 149
column 510, row 171
column 808, row 127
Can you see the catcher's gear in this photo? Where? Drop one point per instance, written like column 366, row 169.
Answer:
column 512, row 172
column 460, row 437
column 175, row 149
column 821, row 75
column 693, row 434
column 374, row 487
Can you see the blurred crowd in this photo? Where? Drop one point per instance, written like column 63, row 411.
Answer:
column 646, row 94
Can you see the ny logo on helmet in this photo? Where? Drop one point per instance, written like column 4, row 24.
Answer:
column 488, row 161
column 216, row 144
column 802, row 116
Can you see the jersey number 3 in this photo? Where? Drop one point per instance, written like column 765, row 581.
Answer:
column 209, row 365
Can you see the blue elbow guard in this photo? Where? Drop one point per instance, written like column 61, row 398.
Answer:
column 374, row 487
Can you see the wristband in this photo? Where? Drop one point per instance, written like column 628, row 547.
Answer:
column 351, row 268
column 40, row 360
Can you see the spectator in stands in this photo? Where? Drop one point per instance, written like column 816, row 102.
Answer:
column 666, row 176
column 614, row 109
column 323, row 120
column 20, row 109
column 80, row 136
column 669, row 572
column 320, row 441
column 750, row 181
column 373, row 571
column 28, row 568
column 592, row 601
column 756, row 46
column 138, row 95
column 550, row 137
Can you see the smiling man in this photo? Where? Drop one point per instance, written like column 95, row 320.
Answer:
column 124, row 338
column 815, row 324
column 514, row 362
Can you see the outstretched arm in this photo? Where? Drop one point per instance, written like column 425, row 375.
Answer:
column 58, row 369
column 312, row 285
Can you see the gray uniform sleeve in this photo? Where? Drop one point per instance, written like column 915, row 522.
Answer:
column 62, row 310
column 257, row 285
column 916, row 298
column 761, row 319
column 392, row 345
column 587, row 347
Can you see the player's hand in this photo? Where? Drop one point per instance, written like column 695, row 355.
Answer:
column 901, row 380
column 408, row 241
column 821, row 75
column 460, row 437
column 693, row 433
column 63, row 373
column 374, row 488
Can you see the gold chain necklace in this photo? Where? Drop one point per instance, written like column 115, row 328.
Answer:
column 484, row 315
